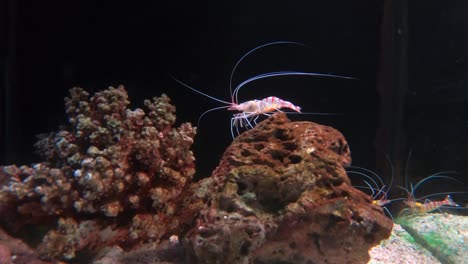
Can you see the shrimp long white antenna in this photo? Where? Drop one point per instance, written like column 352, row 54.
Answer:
column 406, row 168
column 371, row 184
column 250, row 52
column 392, row 171
column 281, row 73
column 202, row 93
column 374, row 182
column 440, row 193
column 209, row 110
column 412, row 188
column 438, row 175
column 381, row 182
column 310, row 113
column 377, row 187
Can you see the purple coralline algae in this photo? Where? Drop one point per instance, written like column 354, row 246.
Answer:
column 109, row 164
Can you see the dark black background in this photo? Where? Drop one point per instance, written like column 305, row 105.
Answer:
column 51, row 47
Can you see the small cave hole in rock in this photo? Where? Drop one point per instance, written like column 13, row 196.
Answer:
column 334, row 219
column 227, row 205
column 245, row 153
column 271, row 204
column 241, row 188
column 244, row 250
column 357, row 218
column 39, row 181
column 344, row 148
column 231, row 208
column 280, row 134
column 258, row 138
column 249, row 232
column 116, row 138
column 315, row 238
column 339, row 147
column 277, row 155
column 254, row 185
column 295, row 159
column 289, row 146
column 259, row 147
column 345, row 194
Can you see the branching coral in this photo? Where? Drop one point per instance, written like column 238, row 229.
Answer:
column 109, row 162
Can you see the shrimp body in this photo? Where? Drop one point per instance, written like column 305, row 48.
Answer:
column 273, row 103
column 417, row 207
column 251, row 110
column 381, row 202
column 264, row 106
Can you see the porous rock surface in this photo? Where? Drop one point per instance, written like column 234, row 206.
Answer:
column 281, row 195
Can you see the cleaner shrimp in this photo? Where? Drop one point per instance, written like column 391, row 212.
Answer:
column 250, row 111
column 376, row 185
column 413, row 205
column 423, row 204
column 379, row 191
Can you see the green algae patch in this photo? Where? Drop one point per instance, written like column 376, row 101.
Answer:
column 444, row 235
column 407, row 237
column 401, row 246
column 437, row 244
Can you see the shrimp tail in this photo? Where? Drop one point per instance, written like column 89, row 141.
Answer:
column 450, row 201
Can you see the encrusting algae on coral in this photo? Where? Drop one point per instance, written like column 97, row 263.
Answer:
column 109, row 164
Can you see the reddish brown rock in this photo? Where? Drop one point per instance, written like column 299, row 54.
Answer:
column 15, row 251
column 5, row 254
column 281, row 195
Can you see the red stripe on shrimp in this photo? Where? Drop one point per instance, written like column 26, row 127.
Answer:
column 431, row 206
